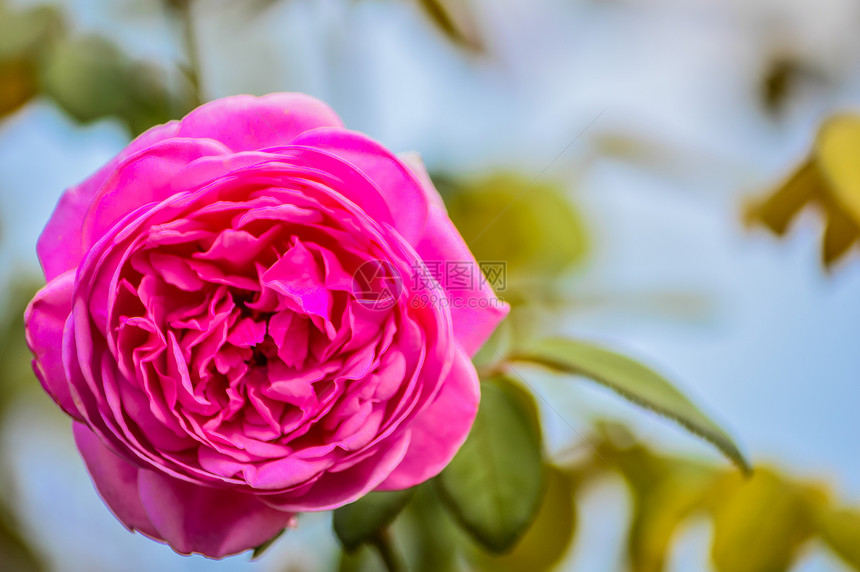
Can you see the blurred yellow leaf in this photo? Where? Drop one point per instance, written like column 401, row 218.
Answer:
column 778, row 210
column 760, row 524
column 840, row 529
column 828, row 179
column 24, row 36
column 456, row 20
column 17, row 85
column 660, row 510
column 840, row 232
column 836, row 151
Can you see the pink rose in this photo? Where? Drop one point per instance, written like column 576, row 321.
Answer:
column 236, row 317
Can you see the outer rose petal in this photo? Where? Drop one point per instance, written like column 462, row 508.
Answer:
column 248, row 123
column 441, row 429
column 475, row 313
column 400, row 188
column 473, row 323
column 412, row 159
column 59, row 246
column 44, row 321
column 115, row 480
column 190, row 518
column 213, row 522
column 146, row 177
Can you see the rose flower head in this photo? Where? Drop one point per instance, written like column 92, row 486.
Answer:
column 245, row 319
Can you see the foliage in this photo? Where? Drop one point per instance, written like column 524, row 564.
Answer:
column 632, row 380
column 85, row 75
column 827, row 180
column 16, row 376
column 761, row 524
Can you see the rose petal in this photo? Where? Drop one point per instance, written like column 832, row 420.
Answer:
column 115, row 480
column 335, row 489
column 248, row 123
column 412, row 159
column 59, row 246
column 146, row 177
column 475, row 311
column 439, row 431
column 44, row 321
column 397, row 184
column 214, row 522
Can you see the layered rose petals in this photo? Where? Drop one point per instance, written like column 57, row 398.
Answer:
column 220, row 350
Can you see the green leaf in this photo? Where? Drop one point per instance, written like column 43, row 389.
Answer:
column 550, row 535
column 840, row 529
column 495, row 348
column 361, row 521
column 259, row 550
column 90, row 78
column 634, row 381
column 429, row 537
column 494, row 485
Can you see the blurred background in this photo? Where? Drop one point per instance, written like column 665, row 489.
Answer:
column 629, row 138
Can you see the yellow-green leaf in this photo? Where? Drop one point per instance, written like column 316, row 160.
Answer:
column 760, row 525
column 778, row 210
column 840, row 529
column 659, row 511
column 836, row 150
column 455, row 20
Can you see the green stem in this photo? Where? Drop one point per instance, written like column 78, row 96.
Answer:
column 389, row 557
column 184, row 12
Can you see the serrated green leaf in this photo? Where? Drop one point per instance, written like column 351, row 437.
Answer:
column 634, row 381
column 494, row 485
column 840, row 530
column 361, row 521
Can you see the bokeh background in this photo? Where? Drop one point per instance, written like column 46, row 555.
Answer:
column 655, row 122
